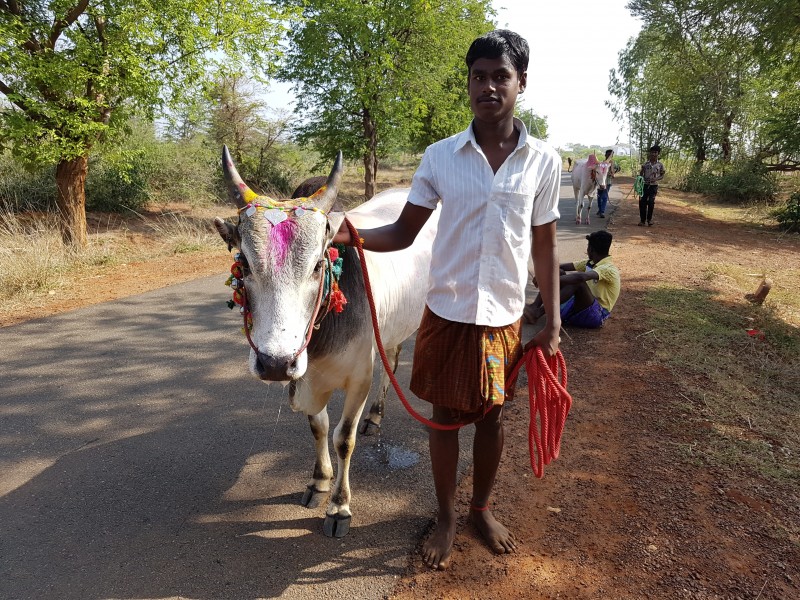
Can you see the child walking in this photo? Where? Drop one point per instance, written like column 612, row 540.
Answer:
column 652, row 171
column 498, row 189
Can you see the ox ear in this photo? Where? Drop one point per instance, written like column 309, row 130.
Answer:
column 334, row 222
column 325, row 200
column 228, row 232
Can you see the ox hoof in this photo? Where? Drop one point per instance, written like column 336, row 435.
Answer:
column 578, row 221
column 313, row 497
column 369, row 427
column 336, row 525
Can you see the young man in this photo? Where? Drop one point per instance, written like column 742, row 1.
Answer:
column 588, row 288
column 652, row 171
column 602, row 195
column 498, row 190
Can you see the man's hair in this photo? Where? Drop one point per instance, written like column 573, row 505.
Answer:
column 499, row 43
column 600, row 241
column 609, row 153
column 655, row 148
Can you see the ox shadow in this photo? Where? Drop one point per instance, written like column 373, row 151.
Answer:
column 141, row 460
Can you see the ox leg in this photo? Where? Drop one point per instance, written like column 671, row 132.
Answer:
column 338, row 515
column 589, row 210
column 372, row 423
column 319, row 487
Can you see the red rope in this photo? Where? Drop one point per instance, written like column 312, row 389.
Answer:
column 549, row 400
column 547, row 387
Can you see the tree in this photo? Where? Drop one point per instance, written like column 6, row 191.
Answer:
column 537, row 126
column 374, row 75
column 718, row 78
column 73, row 71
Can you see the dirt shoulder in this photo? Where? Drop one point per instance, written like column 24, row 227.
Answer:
column 624, row 512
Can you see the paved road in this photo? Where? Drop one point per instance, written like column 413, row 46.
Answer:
column 139, row 459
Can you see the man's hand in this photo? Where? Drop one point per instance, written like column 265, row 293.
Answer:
column 343, row 235
column 547, row 339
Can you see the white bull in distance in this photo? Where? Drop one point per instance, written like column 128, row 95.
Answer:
column 587, row 176
column 287, row 276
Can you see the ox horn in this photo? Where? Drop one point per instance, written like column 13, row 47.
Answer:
column 237, row 188
column 328, row 197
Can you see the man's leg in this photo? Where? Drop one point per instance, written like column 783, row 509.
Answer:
column 583, row 298
column 651, row 203
column 487, row 449
column 643, row 205
column 444, row 463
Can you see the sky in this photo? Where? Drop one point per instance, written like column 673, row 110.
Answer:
column 574, row 45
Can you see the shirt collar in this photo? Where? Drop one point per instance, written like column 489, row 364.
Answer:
column 468, row 137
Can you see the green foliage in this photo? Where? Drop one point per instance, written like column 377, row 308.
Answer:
column 537, row 125
column 716, row 79
column 741, row 183
column 373, row 77
column 788, row 215
column 118, row 181
column 24, row 188
column 72, row 74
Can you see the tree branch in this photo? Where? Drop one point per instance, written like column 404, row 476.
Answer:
column 60, row 25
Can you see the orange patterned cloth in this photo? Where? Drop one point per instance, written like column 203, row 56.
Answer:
column 463, row 366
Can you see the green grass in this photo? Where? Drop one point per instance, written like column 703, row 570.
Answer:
column 745, row 388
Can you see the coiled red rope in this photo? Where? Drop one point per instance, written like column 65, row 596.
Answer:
column 548, row 399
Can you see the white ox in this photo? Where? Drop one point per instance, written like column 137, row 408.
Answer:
column 285, row 259
column 584, row 184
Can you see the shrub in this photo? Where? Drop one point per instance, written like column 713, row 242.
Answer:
column 118, row 180
column 22, row 188
column 744, row 182
column 788, row 215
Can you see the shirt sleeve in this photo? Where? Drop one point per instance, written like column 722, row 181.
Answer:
column 580, row 265
column 545, row 202
column 423, row 190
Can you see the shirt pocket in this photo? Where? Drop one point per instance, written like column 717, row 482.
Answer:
column 516, row 211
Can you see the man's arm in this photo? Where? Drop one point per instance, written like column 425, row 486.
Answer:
column 395, row 236
column 545, row 264
column 579, row 276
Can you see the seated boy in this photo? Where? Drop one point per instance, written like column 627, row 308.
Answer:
column 588, row 288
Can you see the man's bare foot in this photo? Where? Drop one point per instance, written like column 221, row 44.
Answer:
column 531, row 313
column 497, row 537
column 437, row 548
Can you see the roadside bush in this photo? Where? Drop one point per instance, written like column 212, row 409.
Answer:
column 21, row 188
column 118, row 180
column 788, row 215
column 744, row 182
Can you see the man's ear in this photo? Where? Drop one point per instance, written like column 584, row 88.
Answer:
column 334, row 222
column 523, row 81
column 227, row 232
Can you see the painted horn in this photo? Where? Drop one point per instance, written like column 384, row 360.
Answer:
column 328, row 197
column 237, row 189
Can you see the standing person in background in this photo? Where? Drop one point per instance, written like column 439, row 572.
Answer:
column 498, row 191
column 569, row 164
column 602, row 195
column 652, row 171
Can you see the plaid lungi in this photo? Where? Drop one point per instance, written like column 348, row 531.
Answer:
column 463, row 366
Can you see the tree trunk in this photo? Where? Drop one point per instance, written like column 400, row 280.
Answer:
column 71, row 200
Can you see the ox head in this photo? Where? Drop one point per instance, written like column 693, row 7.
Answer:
column 601, row 170
column 283, row 243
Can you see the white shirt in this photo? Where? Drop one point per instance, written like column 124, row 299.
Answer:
column 479, row 267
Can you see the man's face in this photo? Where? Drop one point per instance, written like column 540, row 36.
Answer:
column 652, row 156
column 493, row 88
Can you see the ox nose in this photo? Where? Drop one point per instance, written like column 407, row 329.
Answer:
column 273, row 368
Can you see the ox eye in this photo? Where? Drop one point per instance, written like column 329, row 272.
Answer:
column 318, row 267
